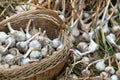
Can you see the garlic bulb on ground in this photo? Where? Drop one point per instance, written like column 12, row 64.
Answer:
column 85, row 60
column 85, row 73
column 117, row 56
column 74, row 29
column 114, row 77
column 104, row 75
column 100, row 65
column 35, row 55
column 110, row 69
column 82, row 46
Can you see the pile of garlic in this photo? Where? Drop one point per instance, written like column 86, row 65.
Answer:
column 20, row 47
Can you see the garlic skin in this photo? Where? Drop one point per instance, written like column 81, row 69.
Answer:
column 114, row 77
column 85, row 60
column 82, row 46
column 100, row 65
column 3, row 36
column 110, row 69
column 8, row 58
column 35, row 55
column 117, row 56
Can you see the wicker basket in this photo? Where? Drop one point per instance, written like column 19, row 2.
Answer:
column 47, row 68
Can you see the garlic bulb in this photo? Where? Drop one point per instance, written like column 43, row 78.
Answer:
column 85, row 60
column 111, row 38
column 27, row 60
column 10, row 42
column 3, row 36
column 44, row 40
column 74, row 30
column 104, row 75
column 33, row 45
column 44, row 50
column 115, row 29
column 23, row 46
column 56, row 43
column 117, row 56
column 114, row 77
column 35, row 55
column 20, row 36
column 86, row 36
column 33, row 31
column 82, row 46
column 110, row 69
column 100, row 65
column 85, row 73
column 9, row 58
column 106, row 28
column 6, row 66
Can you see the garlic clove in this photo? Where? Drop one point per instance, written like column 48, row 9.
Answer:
column 100, row 65
column 35, row 55
column 117, row 56
column 110, row 69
